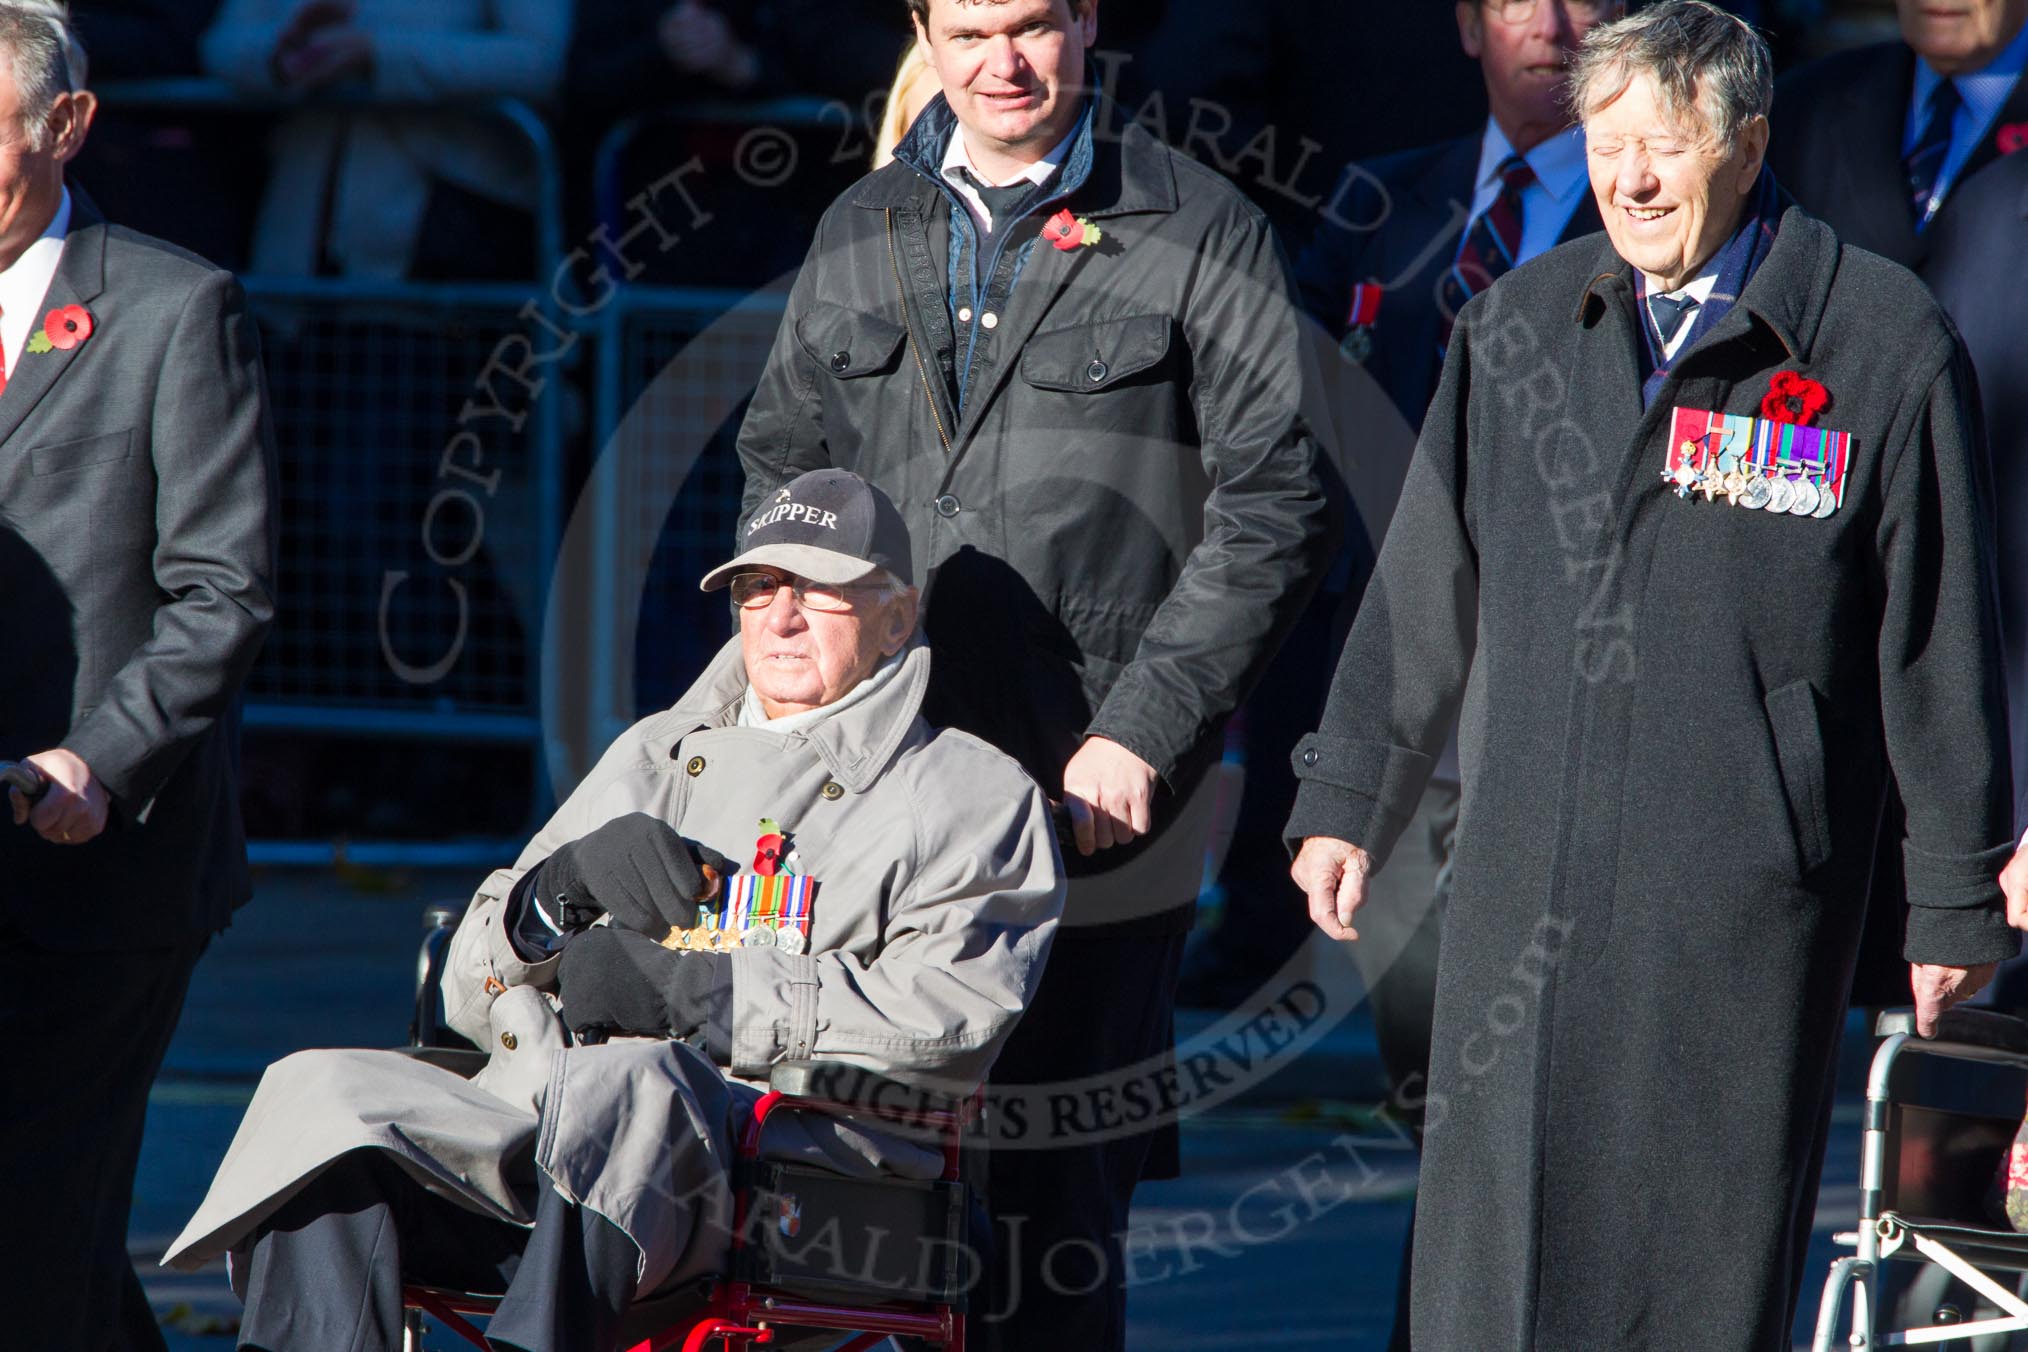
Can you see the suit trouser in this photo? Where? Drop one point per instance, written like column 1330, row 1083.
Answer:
column 325, row 1273
column 1057, row 1278
column 1400, row 930
column 85, row 1034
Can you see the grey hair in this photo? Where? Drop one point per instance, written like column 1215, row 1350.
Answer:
column 1707, row 65
column 46, row 59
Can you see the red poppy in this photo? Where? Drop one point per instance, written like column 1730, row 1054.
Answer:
column 767, row 855
column 68, row 327
column 1791, row 398
column 2011, row 137
column 1064, row 231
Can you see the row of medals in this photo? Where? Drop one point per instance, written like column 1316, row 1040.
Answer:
column 1759, row 488
column 721, row 939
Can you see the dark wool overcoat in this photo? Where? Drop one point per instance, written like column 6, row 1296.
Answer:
column 1679, row 718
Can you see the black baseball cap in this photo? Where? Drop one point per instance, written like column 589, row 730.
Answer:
column 829, row 525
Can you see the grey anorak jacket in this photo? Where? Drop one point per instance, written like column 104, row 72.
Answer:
column 938, row 889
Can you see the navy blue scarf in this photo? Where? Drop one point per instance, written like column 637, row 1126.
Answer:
column 1737, row 261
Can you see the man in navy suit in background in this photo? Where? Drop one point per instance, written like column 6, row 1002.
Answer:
column 1885, row 143
column 1881, row 140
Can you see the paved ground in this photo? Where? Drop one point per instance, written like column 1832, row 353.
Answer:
column 1288, row 1219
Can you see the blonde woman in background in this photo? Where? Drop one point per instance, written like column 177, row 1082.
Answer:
column 914, row 86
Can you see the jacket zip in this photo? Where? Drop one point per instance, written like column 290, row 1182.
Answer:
column 908, row 325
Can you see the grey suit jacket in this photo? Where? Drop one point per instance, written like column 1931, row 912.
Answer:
column 137, row 496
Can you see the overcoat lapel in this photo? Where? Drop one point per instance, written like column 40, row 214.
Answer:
column 80, row 279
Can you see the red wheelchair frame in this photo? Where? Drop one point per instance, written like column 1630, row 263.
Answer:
column 745, row 1314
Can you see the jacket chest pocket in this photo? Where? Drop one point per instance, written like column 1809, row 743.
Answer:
column 848, row 345
column 95, row 483
column 1105, row 356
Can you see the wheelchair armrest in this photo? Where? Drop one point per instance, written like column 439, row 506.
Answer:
column 1972, row 1027
column 426, row 1026
column 843, row 1085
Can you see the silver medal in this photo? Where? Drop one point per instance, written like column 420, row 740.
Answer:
column 790, row 941
column 1827, row 501
column 757, row 936
column 1806, row 498
column 1781, row 493
column 1756, row 495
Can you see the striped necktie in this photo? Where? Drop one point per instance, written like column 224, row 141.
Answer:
column 1925, row 159
column 1491, row 245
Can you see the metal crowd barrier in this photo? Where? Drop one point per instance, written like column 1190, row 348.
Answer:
column 413, row 582
column 423, row 601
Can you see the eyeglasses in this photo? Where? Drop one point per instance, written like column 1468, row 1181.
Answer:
column 754, row 591
column 1521, row 11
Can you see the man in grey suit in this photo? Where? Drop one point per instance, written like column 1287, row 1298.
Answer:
column 136, row 496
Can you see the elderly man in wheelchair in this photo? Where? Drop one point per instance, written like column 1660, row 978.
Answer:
column 788, row 865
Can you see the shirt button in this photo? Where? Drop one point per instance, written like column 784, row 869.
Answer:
column 841, row 360
column 1310, row 756
column 990, row 320
column 964, row 314
column 948, row 506
column 1096, row 372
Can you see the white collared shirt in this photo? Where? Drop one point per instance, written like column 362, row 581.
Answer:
column 25, row 286
column 1983, row 93
column 1700, row 288
column 957, row 155
column 1546, row 204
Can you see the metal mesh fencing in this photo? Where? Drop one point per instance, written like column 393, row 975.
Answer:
column 400, row 589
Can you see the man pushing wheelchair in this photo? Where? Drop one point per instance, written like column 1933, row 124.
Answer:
column 787, row 864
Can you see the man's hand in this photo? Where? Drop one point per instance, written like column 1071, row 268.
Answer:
column 1332, row 874
column 1109, row 793
column 2014, row 884
column 74, row 808
column 699, row 40
column 618, row 981
column 636, row 869
column 309, row 23
column 1937, row 988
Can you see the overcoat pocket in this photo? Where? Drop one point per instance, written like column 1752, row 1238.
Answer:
column 1087, row 358
column 849, row 343
column 1793, row 716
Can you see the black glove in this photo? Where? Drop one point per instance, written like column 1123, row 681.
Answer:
column 618, row 981
column 635, row 868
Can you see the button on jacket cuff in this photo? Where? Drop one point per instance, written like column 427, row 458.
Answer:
column 483, row 962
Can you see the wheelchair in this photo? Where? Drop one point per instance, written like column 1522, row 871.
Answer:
column 1932, row 1147
column 771, row 1296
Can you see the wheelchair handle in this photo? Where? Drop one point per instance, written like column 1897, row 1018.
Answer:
column 24, row 779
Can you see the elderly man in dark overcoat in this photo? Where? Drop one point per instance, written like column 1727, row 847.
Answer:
column 1071, row 356
column 1693, row 538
